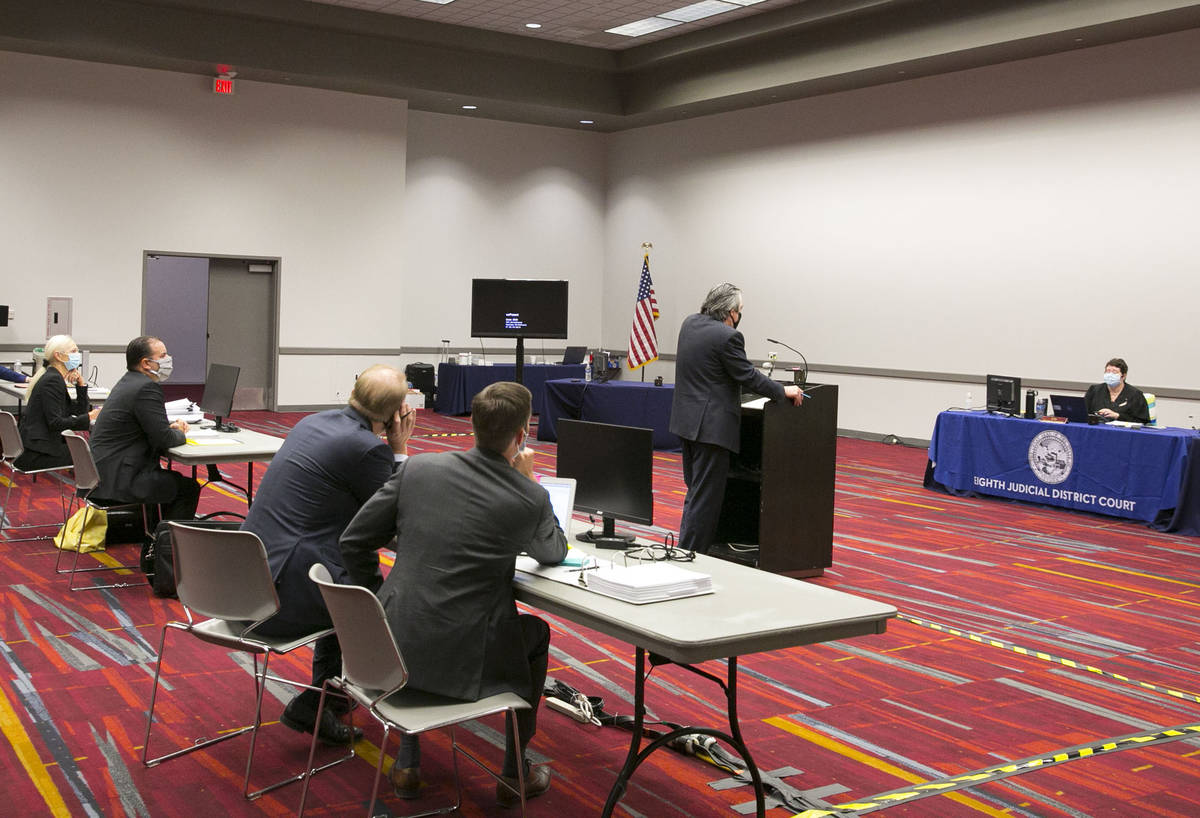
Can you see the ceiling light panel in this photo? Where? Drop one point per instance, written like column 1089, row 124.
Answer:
column 639, row 27
column 698, row 11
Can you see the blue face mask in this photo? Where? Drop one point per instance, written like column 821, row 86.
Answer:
column 1112, row 378
column 74, row 360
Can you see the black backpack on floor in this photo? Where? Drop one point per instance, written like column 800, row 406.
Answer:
column 158, row 554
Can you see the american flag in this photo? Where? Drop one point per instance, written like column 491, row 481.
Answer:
column 643, row 341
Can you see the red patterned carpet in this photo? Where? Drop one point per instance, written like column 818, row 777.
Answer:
column 1065, row 641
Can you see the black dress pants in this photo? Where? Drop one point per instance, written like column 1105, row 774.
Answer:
column 705, row 471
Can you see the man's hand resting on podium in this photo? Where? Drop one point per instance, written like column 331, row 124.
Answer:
column 795, row 394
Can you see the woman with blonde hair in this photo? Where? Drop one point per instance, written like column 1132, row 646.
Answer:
column 50, row 409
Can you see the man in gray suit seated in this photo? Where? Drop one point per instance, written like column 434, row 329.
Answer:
column 330, row 464
column 460, row 519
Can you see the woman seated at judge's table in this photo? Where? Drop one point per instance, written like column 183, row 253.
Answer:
column 51, row 409
column 1116, row 400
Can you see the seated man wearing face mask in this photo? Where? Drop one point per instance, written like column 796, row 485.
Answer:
column 133, row 432
column 1116, row 400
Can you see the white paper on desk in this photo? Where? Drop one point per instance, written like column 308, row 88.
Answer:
column 189, row 417
column 215, row 440
column 648, row 582
column 195, row 433
column 180, row 406
column 559, row 573
column 757, row 403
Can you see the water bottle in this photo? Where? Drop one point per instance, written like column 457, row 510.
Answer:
column 587, row 373
column 1041, row 409
column 970, row 402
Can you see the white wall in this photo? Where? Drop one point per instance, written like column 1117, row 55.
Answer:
column 1031, row 219
column 490, row 199
column 100, row 163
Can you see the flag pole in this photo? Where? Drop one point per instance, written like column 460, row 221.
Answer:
column 646, row 248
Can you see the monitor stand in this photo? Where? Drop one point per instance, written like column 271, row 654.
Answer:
column 607, row 537
column 228, row 428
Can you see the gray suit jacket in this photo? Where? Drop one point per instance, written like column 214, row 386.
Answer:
column 330, row 465
column 130, row 434
column 711, row 370
column 460, row 519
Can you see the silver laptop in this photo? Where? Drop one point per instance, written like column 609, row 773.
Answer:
column 562, row 498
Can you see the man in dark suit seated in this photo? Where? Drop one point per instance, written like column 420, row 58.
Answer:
column 330, row 464
column 711, row 369
column 133, row 432
column 460, row 519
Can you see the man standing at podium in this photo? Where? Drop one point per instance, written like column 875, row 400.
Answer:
column 711, row 370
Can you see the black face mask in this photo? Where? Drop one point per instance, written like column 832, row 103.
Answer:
column 738, row 320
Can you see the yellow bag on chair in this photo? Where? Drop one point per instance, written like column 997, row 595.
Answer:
column 67, row 538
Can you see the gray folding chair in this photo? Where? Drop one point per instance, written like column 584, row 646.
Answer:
column 12, row 448
column 374, row 675
column 86, row 481
column 223, row 574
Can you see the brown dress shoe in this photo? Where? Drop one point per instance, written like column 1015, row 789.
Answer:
column 406, row 782
column 537, row 781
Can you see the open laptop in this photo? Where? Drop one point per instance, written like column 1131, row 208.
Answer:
column 574, row 355
column 1070, row 407
column 562, row 498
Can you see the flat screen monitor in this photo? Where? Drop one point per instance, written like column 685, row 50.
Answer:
column 218, row 393
column 1003, row 394
column 613, row 470
column 518, row 308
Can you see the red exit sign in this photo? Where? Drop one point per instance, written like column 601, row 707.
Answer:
column 222, row 85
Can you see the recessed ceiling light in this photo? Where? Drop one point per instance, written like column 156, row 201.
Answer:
column 439, row 2
column 470, row 107
column 587, row 122
column 698, row 11
column 639, row 27
column 745, row 2
column 533, row 25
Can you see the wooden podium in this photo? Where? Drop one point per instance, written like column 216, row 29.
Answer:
column 780, row 491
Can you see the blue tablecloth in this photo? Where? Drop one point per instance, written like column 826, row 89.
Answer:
column 626, row 403
column 458, row 384
column 1134, row 473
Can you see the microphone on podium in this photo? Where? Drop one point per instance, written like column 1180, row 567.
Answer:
column 800, row 375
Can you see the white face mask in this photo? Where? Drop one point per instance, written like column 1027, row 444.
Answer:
column 1112, row 378
column 165, row 365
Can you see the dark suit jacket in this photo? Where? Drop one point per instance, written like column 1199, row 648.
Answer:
column 49, row 412
column 330, row 465
column 1130, row 405
column 460, row 519
column 131, row 432
column 711, row 370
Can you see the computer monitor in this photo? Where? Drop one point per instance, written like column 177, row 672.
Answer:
column 1004, row 394
column 613, row 470
column 518, row 308
column 218, row 394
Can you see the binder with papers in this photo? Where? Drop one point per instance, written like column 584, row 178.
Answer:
column 648, row 582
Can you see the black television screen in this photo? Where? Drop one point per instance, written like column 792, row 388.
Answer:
column 518, row 308
column 614, row 474
column 1003, row 394
column 218, row 393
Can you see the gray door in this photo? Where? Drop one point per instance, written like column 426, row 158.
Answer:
column 175, row 309
column 241, row 326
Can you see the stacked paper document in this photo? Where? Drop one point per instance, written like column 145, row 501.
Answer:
column 184, row 409
column 648, row 582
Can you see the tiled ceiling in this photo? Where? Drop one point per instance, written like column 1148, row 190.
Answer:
column 581, row 22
